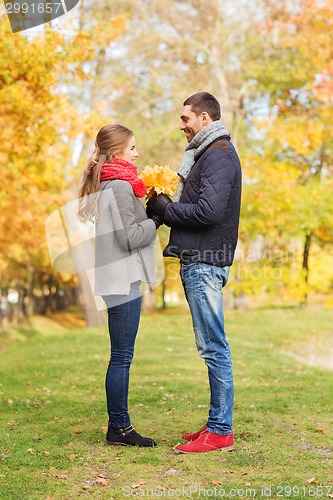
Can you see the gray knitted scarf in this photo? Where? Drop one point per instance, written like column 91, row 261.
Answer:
column 198, row 144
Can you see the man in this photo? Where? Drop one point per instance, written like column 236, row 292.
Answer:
column 204, row 229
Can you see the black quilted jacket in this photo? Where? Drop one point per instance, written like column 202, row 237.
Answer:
column 204, row 223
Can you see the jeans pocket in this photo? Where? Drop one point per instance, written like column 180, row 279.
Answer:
column 219, row 277
column 186, row 269
column 225, row 274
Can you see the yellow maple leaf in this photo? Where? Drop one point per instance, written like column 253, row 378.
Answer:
column 159, row 179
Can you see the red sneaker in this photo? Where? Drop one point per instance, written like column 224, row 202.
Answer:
column 208, row 442
column 195, row 435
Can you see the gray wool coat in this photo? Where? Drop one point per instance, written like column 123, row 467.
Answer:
column 124, row 240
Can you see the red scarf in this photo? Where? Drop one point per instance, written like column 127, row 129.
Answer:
column 124, row 171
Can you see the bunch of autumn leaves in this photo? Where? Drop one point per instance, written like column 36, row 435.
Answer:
column 159, row 180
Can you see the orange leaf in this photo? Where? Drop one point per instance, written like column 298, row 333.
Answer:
column 102, row 480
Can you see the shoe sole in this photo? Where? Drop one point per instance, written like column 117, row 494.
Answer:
column 116, row 443
column 225, row 448
column 111, row 443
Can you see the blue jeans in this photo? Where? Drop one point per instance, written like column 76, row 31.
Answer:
column 203, row 285
column 123, row 322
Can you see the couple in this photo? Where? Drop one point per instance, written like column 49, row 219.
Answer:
column 204, row 219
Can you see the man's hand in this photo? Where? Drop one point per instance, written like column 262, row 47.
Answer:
column 156, row 207
column 158, row 203
column 156, row 217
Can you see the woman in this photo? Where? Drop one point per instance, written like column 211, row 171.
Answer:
column 109, row 195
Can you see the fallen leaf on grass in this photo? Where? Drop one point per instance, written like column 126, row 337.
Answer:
column 137, row 485
column 172, row 471
column 61, row 477
column 159, row 487
column 102, row 480
column 78, row 431
column 313, row 481
column 39, row 438
column 321, row 431
column 217, row 483
column 30, row 450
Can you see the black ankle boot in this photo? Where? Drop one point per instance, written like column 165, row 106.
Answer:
column 127, row 437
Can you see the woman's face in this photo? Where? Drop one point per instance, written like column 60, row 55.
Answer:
column 129, row 153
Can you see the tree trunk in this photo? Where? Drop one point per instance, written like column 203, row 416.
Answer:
column 305, row 265
column 92, row 316
column 149, row 302
column 163, row 288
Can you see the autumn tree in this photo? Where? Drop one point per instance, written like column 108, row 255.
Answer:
column 171, row 50
column 297, row 134
column 39, row 127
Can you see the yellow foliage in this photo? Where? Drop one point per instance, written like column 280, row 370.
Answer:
column 159, row 180
column 39, row 124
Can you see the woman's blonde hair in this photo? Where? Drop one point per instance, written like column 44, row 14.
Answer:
column 110, row 140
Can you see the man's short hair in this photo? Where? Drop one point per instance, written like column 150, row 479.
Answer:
column 204, row 101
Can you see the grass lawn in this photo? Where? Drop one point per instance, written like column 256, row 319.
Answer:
column 53, row 414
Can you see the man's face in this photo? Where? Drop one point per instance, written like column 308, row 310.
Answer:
column 191, row 123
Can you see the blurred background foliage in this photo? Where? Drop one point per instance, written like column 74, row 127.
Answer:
column 268, row 62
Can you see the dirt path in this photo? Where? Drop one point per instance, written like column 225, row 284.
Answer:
column 314, row 356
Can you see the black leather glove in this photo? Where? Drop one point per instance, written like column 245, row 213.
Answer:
column 156, row 217
column 158, row 203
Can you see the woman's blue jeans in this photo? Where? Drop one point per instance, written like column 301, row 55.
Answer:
column 203, row 285
column 123, row 322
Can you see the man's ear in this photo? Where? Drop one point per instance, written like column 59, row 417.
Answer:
column 205, row 117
